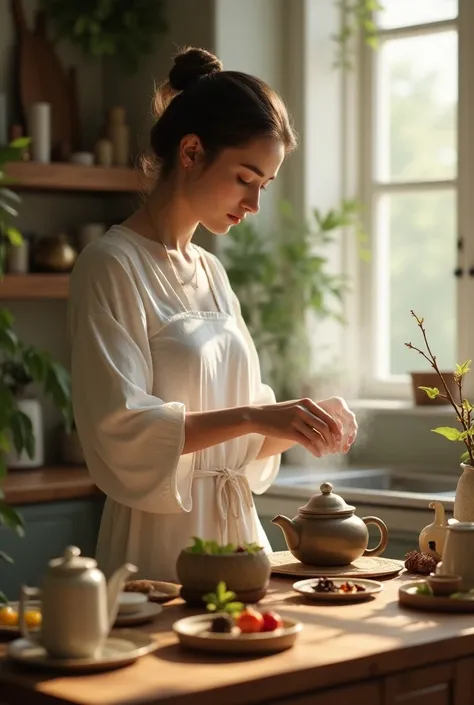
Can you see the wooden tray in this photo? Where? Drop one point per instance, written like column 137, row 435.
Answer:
column 408, row 596
column 284, row 563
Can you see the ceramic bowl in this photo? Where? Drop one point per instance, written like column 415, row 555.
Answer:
column 131, row 602
column 444, row 585
column 246, row 574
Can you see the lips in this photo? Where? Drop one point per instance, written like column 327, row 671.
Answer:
column 234, row 218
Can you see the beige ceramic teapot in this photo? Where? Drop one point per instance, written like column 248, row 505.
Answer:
column 326, row 531
column 78, row 606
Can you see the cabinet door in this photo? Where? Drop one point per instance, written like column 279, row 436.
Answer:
column 49, row 528
column 364, row 694
column 435, row 685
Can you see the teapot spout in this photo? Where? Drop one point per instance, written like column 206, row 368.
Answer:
column 290, row 530
column 114, row 587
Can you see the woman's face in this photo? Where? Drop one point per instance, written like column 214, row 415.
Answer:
column 223, row 193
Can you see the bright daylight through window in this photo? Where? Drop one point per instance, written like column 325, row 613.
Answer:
column 410, row 167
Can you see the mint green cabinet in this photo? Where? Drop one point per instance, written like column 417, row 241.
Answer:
column 49, row 528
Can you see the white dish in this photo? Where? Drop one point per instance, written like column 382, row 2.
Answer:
column 131, row 602
column 305, row 587
column 194, row 632
column 146, row 614
column 123, row 646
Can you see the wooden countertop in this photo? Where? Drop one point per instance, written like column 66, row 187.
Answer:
column 340, row 644
column 48, row 484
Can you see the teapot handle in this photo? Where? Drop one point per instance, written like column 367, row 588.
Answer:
column 27, row 593
column 382, row 544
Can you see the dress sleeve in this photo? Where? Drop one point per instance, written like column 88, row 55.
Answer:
column 132, row 440
column 260, row 473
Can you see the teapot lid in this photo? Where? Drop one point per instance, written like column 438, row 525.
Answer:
column 71, row 560
column 326, row 503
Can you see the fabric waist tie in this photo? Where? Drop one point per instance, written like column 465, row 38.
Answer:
column 232, row 493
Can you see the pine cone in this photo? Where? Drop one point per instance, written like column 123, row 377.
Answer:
column 418, row 562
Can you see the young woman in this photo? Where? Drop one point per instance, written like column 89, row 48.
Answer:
column 177, row 428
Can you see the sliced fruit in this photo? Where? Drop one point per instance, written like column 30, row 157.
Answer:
column 250, row 621
column 271, row 621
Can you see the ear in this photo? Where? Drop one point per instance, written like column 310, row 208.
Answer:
column 191, row 151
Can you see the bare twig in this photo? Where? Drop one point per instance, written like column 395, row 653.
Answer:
column 463, row 416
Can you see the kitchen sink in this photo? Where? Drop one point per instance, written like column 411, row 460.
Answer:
column 382, row 480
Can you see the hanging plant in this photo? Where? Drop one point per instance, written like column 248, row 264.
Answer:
column 357, row 17
column 108, row 28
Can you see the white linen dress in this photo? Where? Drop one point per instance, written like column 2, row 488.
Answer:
column 140, row 360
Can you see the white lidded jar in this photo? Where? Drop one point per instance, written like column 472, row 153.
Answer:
column 464, row 498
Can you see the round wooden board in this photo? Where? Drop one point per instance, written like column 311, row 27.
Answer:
column 284, row 563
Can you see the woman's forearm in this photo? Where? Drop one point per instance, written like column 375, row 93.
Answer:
column 204, row 429
column 274, row 446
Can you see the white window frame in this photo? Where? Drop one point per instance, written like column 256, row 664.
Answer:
column 399, row 388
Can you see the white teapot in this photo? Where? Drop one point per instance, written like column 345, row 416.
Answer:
column 78, row 606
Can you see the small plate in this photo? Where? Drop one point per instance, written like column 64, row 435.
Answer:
column 194, row 633
column 305, row 587
column 15, row 630
column 122, row 647
column 408, row 596
column 145, row 614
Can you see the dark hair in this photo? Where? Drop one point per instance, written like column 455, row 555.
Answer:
column 223, row 108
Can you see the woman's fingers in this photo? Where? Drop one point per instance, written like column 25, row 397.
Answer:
column 316, row 418
column 314, row 441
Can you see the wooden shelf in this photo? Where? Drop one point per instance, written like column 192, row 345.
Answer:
column 34, row 286
column 48, row 484
column 33, row 176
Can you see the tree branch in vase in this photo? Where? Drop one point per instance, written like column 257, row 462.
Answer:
column 463, row 409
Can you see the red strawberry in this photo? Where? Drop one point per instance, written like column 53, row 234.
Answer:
column 271, row 621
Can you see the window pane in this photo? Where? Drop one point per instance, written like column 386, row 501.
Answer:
column 416, row 261
column 416, row 108
column 405, row 13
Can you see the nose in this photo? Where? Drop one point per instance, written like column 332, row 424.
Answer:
column 251, row 202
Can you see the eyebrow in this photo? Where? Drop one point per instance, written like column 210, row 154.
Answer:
column 256, row 170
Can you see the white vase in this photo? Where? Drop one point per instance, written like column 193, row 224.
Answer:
column 32, row 408
column 464, row 499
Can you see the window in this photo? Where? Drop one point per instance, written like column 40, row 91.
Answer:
column 416, row 188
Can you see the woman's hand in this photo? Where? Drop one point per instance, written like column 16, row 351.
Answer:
column 299, row 421
column 337, row 407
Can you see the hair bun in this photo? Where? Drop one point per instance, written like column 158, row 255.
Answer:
column 191, row 64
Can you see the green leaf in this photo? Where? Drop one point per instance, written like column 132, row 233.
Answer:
column 5, row 557
column 452, row 434
column 432, row 392
column 466, row 405
column 3, row 598
column 20, row 142
column 8, row 193
column 463, row 368
column 10, row 518
column 14, row 236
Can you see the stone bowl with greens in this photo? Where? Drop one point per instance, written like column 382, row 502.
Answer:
column 245, row 569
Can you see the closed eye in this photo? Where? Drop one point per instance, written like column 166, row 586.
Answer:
column 248, row 183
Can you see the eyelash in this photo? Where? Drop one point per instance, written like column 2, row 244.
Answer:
column 247, row 183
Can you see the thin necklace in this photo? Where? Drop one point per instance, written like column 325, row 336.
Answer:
column 173, row 268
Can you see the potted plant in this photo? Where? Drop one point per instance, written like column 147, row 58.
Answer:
column 21, row 423
column 109, row 28
column 245, row 570
column 464, row 433
column 282, row 277
column 20, row 364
